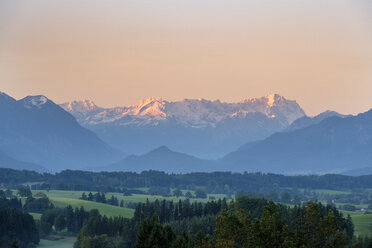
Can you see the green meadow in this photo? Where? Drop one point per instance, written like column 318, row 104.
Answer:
column 36, row 216
column 133, row 198
column 332, row 192
column 67, row 242
column 63, row 198
column 362, row 223
column 104, row 209
column 327, row 191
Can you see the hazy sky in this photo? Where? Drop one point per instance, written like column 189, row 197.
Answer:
column 116, row 52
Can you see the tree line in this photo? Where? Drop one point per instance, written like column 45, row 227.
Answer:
column 101, row 197
column 168, row 211
column 269, row 186
column 215, row 182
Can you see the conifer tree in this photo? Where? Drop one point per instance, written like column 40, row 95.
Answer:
column 152, row 234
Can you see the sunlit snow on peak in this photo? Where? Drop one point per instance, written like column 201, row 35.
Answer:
column 270, row 100
column 188, row 112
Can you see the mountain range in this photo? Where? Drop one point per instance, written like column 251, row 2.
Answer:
column 327, row 143
column 37, row 134
column 36, row 130
column 203, row 128
column 335, row 144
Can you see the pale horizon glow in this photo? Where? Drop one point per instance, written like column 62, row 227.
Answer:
column 115, row 53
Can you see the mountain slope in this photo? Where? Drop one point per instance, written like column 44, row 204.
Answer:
column 199, row 127
column 8, row 162
column 358, row 172
column 306, row 121
column 37, row 130
column 162, row 159
column 334, row 145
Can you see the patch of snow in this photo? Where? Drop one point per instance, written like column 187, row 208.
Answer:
column 35, row 101
column 270, row 100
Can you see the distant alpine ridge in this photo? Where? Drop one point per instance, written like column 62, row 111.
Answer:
column 39, row 132
column 327, row 143
column 268, row 134
column 203, row 128
column 306, row 121
column 336, row 144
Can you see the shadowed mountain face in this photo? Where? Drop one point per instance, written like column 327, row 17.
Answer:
column 163, row 159
column 203, row 128
column 36, row 130
column 334, row 145
column 8, row 162
column 306, row 121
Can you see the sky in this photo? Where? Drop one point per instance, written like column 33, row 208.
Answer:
column 117, row 52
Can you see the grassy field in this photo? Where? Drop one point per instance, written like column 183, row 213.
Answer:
column 133, row 198
column 332, row 192
column 60, row 193
column 63, row 198
column 365, row 206
column 67, row 242
column 362, row 223
column 36, row 216
column 104, row 209
column 327, row 191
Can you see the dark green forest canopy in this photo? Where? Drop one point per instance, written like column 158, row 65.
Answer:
column 84, row 180
column 245, row 222
column 18, row 226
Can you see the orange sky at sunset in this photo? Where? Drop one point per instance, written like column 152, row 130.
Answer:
column 318, row 52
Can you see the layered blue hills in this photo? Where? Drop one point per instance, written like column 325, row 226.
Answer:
column 36, row 130
column 336, row 144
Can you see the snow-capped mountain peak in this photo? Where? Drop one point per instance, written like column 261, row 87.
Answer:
column 270, row 100
column 153, row 107
column 88, row 104
column 148, row 101
column 197, row 126
column 188, row 112
column 83, row 106
column 273, row 99
column 34, row 101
